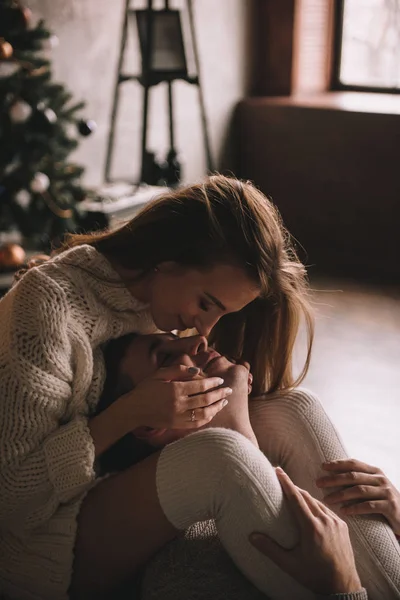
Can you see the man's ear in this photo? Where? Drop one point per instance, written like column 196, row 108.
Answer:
column 124, row 385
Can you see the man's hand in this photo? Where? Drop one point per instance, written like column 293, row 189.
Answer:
column 236, row 414
column 236, row 374
column 368, row 490
column 323, row 560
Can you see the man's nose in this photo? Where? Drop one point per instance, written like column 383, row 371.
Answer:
column 198, row 344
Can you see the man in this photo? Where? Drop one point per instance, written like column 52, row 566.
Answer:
column 325, row 565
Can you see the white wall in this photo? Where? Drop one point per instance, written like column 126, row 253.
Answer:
column 86, row 59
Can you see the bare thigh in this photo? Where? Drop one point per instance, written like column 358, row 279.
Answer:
column 120, row 526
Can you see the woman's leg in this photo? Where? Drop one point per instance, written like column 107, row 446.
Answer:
column 294, row 432
column 219, row 474
column 212, row 474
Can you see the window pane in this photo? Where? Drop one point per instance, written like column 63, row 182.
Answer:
column 371, row 43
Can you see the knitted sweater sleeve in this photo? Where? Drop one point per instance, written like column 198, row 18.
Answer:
column 47, row 453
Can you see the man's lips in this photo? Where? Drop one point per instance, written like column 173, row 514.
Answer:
column 213, row 356
column 212, row 361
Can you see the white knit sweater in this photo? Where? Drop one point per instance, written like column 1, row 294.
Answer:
column 53, row 324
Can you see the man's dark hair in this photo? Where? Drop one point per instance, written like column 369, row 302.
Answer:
column 128, row 450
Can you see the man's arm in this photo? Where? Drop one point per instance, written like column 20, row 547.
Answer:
column 235, row 415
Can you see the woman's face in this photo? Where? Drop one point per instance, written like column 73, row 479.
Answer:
column 182, row 298
column 147, row 353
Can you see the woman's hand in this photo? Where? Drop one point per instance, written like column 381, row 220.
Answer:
column 368, row 490
column 167, row 398
column 323, row 560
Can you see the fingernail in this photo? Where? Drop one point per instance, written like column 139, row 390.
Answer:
column 228, row 391
column 193, row 370
column 256, row 537
column 224, row 402
column 220, row 381
column 280, row 471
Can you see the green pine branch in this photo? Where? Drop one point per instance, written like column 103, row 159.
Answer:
column 41, row 143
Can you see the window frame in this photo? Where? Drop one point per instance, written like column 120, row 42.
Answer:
column 336, row 84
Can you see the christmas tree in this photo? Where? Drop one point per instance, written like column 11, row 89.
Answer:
column 40, row 191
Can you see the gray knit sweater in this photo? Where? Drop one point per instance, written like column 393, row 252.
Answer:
column 53, row 323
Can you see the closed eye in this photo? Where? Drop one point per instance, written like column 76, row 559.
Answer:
column 163, row 358
column 161, row 339
column 204, row 305
column 154, row 345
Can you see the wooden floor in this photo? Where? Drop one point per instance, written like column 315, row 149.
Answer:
column 355, row 368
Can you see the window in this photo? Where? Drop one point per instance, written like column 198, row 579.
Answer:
column 367, row 45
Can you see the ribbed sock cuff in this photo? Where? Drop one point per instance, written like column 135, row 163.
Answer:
column 361, row 595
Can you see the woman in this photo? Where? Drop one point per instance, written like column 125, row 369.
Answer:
column 292, row 428
column 212, row 256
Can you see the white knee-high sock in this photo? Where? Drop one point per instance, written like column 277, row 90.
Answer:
column 294, row 431
column 218, row 474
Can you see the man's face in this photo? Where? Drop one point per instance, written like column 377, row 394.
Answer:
column 147, row 353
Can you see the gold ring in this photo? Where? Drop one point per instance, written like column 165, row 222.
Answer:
column 192, row 416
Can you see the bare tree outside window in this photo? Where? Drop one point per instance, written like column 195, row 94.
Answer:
column 370, row 48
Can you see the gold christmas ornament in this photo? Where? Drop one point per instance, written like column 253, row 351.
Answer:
column 11, row 256
column 6, row 50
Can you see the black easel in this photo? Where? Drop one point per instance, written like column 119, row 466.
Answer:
column 151, row 172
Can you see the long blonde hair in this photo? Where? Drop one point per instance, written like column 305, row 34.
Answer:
column 225, row 220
